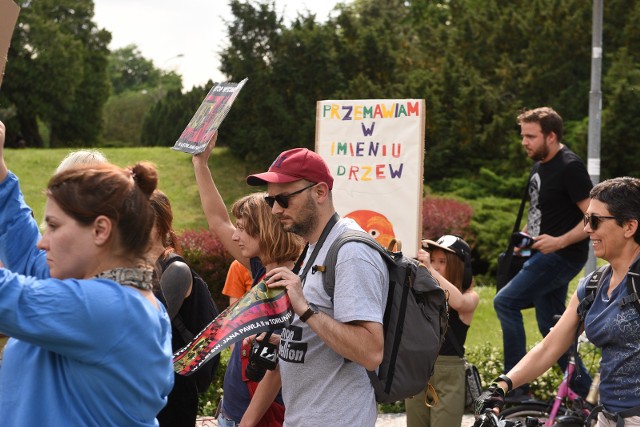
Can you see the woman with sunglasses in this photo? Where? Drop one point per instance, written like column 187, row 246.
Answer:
column 612, row 322
column 258, row 241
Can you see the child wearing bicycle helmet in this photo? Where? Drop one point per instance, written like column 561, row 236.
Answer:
column 449, row 261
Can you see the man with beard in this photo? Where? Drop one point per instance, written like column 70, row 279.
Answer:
column 559, row 188
column 325, row 352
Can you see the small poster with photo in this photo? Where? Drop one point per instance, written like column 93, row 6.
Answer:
column 208, row 117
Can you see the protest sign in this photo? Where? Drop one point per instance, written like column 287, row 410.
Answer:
column 208, row 117
column 8, row 17
column 259, row 310
column 375, row 151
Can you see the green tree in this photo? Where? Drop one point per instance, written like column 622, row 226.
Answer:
column 621, row 117
column 476, row 62
column 137, row 87
column 55, row 73
column 166, row 119
column 129, row 70
column 124, row 115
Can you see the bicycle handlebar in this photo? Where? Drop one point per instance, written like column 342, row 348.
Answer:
column 490, row 419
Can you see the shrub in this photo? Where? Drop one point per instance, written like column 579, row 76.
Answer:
column 206, row 255
column 124, row 113
column 491, row 225
column 489, row 361
column 207, row 402
column 445, row 216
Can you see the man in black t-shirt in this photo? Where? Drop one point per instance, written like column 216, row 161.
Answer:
column 559, row 188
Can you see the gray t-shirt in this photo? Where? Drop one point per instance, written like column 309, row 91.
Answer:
column 318, row 386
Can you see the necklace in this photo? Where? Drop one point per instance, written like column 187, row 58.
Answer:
column 137, row 277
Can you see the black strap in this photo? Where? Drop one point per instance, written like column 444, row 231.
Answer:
column 617, row 417
column 590, row 290
column 296, row 267
column 177, row 321
column 325, row 232
column 508, row 255
column 185, row 333
column 633, row 283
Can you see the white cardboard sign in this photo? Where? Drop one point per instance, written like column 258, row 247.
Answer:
column 375, row 151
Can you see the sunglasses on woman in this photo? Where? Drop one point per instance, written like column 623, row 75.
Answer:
column 594, row 220
column 283, row 199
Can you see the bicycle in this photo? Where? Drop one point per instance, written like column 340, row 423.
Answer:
column 567, row 409
column 490, row 419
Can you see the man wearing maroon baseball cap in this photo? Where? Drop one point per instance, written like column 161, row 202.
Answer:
column 292, row 165
column 325, row 332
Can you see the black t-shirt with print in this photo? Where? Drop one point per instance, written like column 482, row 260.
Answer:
column 554, row 189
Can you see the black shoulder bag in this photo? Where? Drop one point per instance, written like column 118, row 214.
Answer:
column 472, row 381
column 509, row 265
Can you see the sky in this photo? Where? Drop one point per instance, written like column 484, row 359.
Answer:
column 185, row 36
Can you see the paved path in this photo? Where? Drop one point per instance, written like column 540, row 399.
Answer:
column 400, row 420
column 384, row 420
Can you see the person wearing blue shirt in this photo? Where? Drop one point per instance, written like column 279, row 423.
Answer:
column 90, row 344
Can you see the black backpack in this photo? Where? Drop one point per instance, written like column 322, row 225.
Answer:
column 596, row 280
column 204, row 310
column 415, row 321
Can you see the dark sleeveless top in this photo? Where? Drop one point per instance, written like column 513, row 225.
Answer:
column 457, row 328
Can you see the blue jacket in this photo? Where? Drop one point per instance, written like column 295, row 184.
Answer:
column 82, row 352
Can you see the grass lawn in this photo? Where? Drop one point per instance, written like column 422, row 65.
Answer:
column 35, row 166
column 485, row 326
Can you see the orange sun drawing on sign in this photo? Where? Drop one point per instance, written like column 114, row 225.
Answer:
column 374, row 223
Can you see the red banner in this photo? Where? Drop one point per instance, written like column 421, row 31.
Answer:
column 259, row 310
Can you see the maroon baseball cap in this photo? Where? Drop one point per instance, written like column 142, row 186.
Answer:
column 292, row 165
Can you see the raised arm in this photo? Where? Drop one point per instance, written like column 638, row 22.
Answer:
column 546, row 353
column 212, row 204
column 461, row 302
column 19, row 232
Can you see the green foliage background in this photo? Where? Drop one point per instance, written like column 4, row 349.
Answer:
column 476, row 63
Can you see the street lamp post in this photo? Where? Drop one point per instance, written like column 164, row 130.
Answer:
column 595, row 107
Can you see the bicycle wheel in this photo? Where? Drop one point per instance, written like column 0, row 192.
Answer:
column 524, row 410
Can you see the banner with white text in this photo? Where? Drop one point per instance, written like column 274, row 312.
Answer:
column 375, row 152
column 260, row 310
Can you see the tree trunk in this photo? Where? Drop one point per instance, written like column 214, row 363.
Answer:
column 29, row 130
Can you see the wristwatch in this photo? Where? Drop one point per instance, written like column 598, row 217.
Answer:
column 311, row 310
column 507, row 380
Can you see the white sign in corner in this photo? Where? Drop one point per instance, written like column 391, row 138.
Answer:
column 375, row 152
column 9, row 11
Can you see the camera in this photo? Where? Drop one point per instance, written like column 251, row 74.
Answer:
column 523, row 241
column 263, row 356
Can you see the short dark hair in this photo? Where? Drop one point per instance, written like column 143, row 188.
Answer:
column 549, row 120
column 622, row 197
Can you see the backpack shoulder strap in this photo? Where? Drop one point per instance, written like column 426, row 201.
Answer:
column 176, row 319
column 633, row 285
column 170, row 259
column 592, row 286
column 328, row 279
